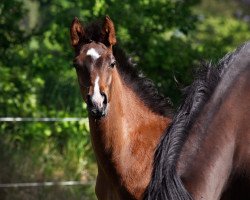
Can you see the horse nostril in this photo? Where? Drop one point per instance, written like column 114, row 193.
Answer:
column 104, row 98
column 89, row 102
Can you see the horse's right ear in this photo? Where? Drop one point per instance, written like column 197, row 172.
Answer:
column 76, row 32
column 108, row 32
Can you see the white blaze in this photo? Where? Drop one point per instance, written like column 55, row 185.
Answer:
column 93, row 53
column 97, row 98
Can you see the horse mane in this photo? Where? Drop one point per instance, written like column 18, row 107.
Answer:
column 165, row 183
column 142, row 86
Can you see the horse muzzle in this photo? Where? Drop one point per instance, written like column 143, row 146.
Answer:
column 97, row 105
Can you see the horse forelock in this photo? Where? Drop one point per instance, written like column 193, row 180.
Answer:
column 165, row 183
column 93, row 31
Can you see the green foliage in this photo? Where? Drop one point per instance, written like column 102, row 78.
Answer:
column 219, row 30
column 166, row 39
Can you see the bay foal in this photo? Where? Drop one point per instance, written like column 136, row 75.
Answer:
column 127, row 116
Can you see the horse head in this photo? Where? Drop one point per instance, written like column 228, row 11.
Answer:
column 95, row 63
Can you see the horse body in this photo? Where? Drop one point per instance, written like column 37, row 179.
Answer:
column 126, row 114
column 223, row 152
column 218, row 147
column 205, row 153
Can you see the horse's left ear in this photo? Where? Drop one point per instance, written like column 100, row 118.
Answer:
column 108, row 32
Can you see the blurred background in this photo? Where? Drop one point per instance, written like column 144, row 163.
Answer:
column 167, row 38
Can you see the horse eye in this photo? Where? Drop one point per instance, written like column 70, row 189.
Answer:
column 113, row 64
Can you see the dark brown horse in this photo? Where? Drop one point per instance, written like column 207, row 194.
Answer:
column 205, row 153
column 127, row 116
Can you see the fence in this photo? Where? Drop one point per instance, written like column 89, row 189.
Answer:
column 41, row 119
column 42, row 184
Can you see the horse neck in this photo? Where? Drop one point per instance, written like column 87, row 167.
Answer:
column 128, row 136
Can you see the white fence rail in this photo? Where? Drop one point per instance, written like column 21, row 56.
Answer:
column 41, row 119
column 45, row 184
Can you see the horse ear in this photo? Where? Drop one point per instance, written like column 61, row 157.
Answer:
column 76, row 32
column 108, row 32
